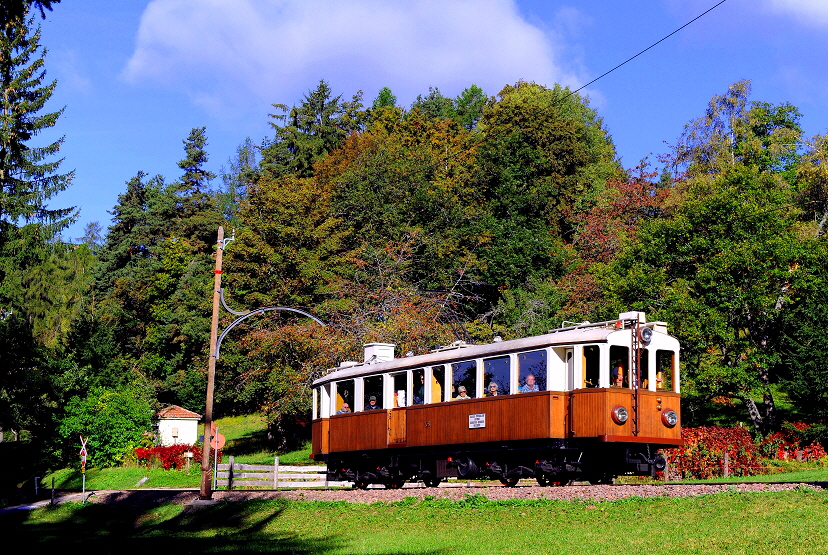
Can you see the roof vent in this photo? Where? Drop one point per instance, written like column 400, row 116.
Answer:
column 379, row 352
column 640, row 316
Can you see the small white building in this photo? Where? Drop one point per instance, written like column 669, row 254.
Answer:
column 177, row 426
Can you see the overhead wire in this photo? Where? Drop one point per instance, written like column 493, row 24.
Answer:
column 570, row 93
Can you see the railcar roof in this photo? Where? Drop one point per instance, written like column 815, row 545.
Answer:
column 565, row 337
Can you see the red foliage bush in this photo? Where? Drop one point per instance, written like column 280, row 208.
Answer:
column 704, row 448
column 703, row 453
column 786, row 444
column 169, row 456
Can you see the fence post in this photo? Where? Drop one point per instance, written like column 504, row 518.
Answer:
column 276, row 473
column 726, row 470
column 230, row 475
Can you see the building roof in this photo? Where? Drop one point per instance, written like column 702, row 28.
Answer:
column 174, row 412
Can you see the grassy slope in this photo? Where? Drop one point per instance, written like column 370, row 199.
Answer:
column 756, row 524
column 246, row 440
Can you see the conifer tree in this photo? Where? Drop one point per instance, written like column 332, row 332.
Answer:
column 28, row 174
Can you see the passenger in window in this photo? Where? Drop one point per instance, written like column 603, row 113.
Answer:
column 419, row 391
column 344, row 410
column 530, row 385
column 492, row 391
column 372, row 403
column 461, row 393
column 617, row 375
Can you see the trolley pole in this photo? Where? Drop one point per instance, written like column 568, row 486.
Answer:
column 206, row 491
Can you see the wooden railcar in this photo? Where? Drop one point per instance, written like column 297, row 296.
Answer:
column 589, row 402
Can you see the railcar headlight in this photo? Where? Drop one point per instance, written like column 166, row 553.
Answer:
column 619, row 414
column 646, row 335
column 669, row 418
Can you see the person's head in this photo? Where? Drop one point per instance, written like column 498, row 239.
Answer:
column 372, row 400
column 530, row 379
column 422, row 378
column 345, row 406
column 461, row 391
column 493, row 388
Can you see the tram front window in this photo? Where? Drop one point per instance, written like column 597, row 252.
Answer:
column 496, row 376
column 592, row 366
column 664, row 370
column 619, row 366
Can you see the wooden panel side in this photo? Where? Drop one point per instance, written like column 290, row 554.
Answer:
column 319, row 436
column 508, row 417
column 397, row 428
column 558, row 414
column 591, row 412
column 359, row 431
column 653, row 405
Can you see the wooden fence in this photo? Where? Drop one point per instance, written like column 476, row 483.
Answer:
column 240, row 476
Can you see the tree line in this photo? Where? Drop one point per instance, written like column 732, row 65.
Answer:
column 454, row 218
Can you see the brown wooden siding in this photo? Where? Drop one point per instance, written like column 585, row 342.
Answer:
column 397, row 428
column 651, row 411
column 319, row 429
column 508, row 417
column 591, row 412
column 359, row 431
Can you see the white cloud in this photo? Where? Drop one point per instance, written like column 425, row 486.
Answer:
column 220, row 51
column 812, row 12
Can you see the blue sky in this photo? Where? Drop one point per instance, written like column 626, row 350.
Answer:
column 136, row 76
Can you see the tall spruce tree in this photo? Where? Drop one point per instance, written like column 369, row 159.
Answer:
column 29, row 177
column 28, row 174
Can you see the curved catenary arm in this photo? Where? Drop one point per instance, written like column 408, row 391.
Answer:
column 245, row 316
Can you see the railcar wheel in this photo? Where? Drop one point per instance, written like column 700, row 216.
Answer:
column 509, row 483
column 602, row 480
column 432, row 482
column 542, row 481
column 361, row 484
column 396, row 483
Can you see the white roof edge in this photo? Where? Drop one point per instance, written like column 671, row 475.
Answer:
column 568, row 337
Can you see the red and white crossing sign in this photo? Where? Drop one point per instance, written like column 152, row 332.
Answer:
column 83, row 452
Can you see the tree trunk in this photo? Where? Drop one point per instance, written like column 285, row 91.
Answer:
column 770, row 412
column 755, row 416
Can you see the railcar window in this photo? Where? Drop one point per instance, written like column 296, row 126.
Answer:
column 438, row 380
column 464, row 376
column 344, row 396
column 592, row 366
column 372, row 388
column 317, row 398
column 644, row 369
column 532, row 371
column 400, row 389
column 619, row 366
column 496, row 376
column 419, row 386
column 664, row 370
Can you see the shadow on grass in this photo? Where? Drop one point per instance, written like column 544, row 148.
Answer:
column 250, row 444
column 146, row 522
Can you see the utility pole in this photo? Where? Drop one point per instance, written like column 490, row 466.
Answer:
column 206, row 478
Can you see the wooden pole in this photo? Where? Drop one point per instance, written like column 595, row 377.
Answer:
column 206, row 485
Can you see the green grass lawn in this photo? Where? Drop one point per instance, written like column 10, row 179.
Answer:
column 246, row 441
column 755, row 524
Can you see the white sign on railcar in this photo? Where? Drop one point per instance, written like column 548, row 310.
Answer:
column 477, row 421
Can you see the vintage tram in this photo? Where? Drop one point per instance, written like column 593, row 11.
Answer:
column 585, row 402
